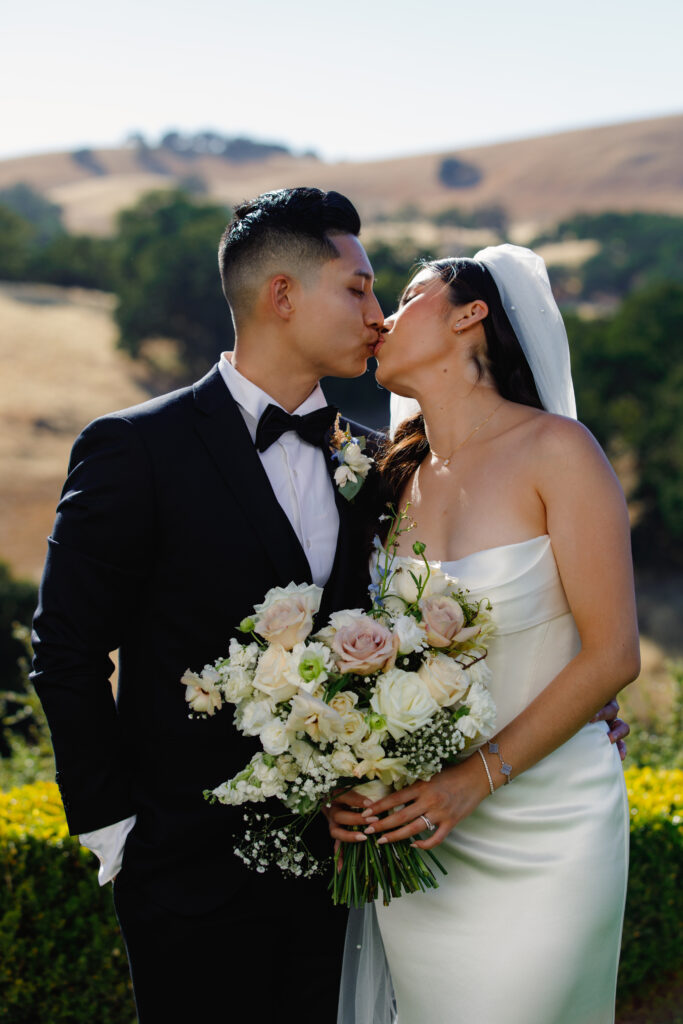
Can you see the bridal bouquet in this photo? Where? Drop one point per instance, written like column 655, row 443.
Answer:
column 374, row 701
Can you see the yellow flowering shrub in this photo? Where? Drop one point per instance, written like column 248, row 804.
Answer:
column 655, row 794
column 32, row 810
column 61, row 955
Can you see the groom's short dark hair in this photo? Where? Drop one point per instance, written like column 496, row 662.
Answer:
column 291, row 229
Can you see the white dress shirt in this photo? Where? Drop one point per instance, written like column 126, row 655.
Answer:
column 303, row 488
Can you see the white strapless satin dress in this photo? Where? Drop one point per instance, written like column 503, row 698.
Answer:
column 526, row 926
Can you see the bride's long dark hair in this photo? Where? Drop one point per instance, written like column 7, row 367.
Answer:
column 504, row 360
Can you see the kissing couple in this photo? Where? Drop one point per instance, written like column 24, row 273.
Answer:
column 179, row 514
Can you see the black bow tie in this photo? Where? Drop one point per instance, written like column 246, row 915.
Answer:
column 312, row 427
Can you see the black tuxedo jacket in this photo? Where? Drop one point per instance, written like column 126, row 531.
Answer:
column 166, row 535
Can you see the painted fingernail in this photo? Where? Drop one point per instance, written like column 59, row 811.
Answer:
column 382, row 841
column 360, row 837
column 366, row 812
column 367, row 803
column 369, row 831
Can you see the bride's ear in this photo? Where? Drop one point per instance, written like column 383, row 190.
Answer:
column 469, row 314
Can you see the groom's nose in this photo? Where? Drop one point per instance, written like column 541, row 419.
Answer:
column 374, row 317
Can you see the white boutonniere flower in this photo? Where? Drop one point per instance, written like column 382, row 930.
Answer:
column 353, row 466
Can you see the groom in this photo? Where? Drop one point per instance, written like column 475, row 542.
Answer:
column 176, row 517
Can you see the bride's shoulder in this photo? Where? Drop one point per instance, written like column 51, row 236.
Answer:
column 561, row 445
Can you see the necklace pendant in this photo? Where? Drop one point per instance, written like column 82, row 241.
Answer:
column 446, row 462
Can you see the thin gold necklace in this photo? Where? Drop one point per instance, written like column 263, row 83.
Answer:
column 447, row 459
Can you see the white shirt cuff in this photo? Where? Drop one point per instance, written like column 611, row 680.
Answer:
column 108, row 844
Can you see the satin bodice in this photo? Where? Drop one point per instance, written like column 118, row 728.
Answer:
column 521, row 581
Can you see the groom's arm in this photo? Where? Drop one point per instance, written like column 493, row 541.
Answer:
column 98, row 558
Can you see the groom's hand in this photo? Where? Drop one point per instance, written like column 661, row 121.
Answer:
column 618, row 728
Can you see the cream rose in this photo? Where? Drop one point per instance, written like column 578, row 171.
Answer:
column 344, row 702
column 442, row 618
column 343, row 762
column 286, row 615
column 445, row 679
column 271, row 676
column 365, row 646
column 355, row 727
column 404, row 701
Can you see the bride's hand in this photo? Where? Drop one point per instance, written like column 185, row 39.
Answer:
column 341, row 817
column 444, row 801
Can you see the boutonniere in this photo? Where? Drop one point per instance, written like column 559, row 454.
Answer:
column 353, row 467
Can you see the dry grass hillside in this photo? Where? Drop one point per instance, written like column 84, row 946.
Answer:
column 59, row 370
column 636, row 165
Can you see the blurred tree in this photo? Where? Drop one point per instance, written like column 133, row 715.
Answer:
column 636, row 249
column 74, row 260
column 16, row 236
column 44, row 216
column 628, row 373
column 167, row 278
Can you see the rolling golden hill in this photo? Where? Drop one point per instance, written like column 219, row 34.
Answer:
column 637, row 165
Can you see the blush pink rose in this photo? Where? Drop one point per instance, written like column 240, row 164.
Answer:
column 442, row 617
column 365, row 646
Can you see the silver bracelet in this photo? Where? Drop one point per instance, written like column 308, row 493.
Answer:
column 488, row 773
column 505, row 768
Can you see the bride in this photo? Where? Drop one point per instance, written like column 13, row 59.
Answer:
column 516, row 499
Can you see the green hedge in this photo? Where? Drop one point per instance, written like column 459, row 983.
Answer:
column 62, row 960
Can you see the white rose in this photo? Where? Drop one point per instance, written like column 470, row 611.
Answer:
column 274, row 737
column 481, row 720
column 445, row 679
column 410, row 633
column 344, row 701
column 404, row 701
column 272, row 674
column 343, row 762
column 286, row 615
column 253, row 716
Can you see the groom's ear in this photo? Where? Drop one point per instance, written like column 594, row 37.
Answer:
column 281, row 295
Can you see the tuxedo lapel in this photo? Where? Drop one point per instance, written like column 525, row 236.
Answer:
column 221, row 426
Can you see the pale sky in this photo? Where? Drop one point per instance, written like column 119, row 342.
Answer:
column 351, row 80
